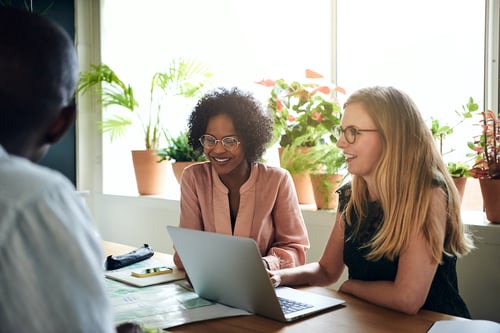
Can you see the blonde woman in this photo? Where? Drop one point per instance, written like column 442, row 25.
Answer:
column 398, row 229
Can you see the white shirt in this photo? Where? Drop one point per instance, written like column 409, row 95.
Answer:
column 51, row 263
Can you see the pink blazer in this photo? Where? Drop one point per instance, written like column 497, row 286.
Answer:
column 269, row 211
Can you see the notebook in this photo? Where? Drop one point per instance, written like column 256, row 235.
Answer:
column 229, row 270
column 125, row 274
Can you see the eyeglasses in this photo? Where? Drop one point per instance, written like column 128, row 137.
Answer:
column 229, row 142
column 350, row 133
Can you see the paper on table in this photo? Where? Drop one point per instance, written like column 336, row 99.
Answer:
column 465, row 326
column 163, row 306
column 124, row 274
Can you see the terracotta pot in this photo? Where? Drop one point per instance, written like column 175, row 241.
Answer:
column 490, row 189
column 324, row 187
column 178, row 167
column 460, row 184
column 303, row 187
column 151, row 176
column 302, row 183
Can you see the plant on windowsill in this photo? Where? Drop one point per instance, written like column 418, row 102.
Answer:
column 186, row 78
column 183, row 77
column 328, row 177
column 486, row 168
column 459, row 170
column 324, row 163
column 303, row 113
column 180, row 153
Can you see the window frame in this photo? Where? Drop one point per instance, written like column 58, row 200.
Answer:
column 89, row 140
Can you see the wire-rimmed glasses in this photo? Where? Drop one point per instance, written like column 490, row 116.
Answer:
column 229, row 142
column 350, row 132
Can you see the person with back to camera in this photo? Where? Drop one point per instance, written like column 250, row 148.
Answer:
column 233, row 193
column 51, row 276
column 398, row 229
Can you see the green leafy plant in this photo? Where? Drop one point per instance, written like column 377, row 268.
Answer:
column 441, row 132
column 487, row 148
column 179, row 150
column 325, row 157
column 321, row 161
column 325, row 187
column 185, row 78
column 458, row 169
column 302, row 111
column 328, row 157
column 331, row 161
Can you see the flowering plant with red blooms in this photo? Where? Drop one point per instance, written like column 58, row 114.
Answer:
column 303, row 112
column 487, row 147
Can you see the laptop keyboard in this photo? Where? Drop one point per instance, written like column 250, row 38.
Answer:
column 290, row 306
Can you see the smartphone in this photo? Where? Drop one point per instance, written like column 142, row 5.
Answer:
column 152, row 271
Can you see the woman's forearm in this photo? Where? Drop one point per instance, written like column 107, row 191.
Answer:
column 308, row 274
column 384, row 293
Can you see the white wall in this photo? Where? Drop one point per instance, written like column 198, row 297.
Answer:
column 138, row 220
column 479, row 273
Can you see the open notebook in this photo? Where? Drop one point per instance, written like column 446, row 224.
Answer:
column 229, row 270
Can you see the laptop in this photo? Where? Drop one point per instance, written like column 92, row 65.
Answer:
column 229, row 270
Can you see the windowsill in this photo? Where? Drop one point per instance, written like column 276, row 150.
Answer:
column 470, row 217
column 137, row 219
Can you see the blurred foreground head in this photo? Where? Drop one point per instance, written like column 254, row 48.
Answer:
column 38, row 75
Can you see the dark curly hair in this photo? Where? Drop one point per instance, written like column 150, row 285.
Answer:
column 253, row 127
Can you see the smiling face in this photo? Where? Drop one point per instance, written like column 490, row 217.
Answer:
column 363, row 155
column 225, row 162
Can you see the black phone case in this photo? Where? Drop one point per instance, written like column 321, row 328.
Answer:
column 142, row 253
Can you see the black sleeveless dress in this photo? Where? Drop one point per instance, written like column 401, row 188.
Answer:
column 443, row 295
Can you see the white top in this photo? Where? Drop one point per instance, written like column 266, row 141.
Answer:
column 51, row 263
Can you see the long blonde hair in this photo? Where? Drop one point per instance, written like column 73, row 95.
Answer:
column 407, row 170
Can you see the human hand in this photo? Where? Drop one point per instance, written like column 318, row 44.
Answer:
column 274, row 277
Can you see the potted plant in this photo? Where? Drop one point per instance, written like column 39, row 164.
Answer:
column 328, row 177
column 303, row 114
column 457, row 169
column 302, row 110
column 323, row 163
column 180, row 153
column 183, row 77
column 487, row 164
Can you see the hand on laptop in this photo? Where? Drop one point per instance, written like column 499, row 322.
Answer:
column 275, row 278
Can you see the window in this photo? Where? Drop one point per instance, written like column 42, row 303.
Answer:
column 242, row 42
column 432, row 50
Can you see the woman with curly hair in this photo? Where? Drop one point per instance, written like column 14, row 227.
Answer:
column 398, row 229
column 234, row 193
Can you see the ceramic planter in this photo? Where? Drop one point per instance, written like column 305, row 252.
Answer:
column 151, row 176
column 178, row 168
column 324, row 186
column 460, row 184
column 490, row 189
column 301, row 181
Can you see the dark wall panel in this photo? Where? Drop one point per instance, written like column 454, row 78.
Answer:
column 61, row 156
